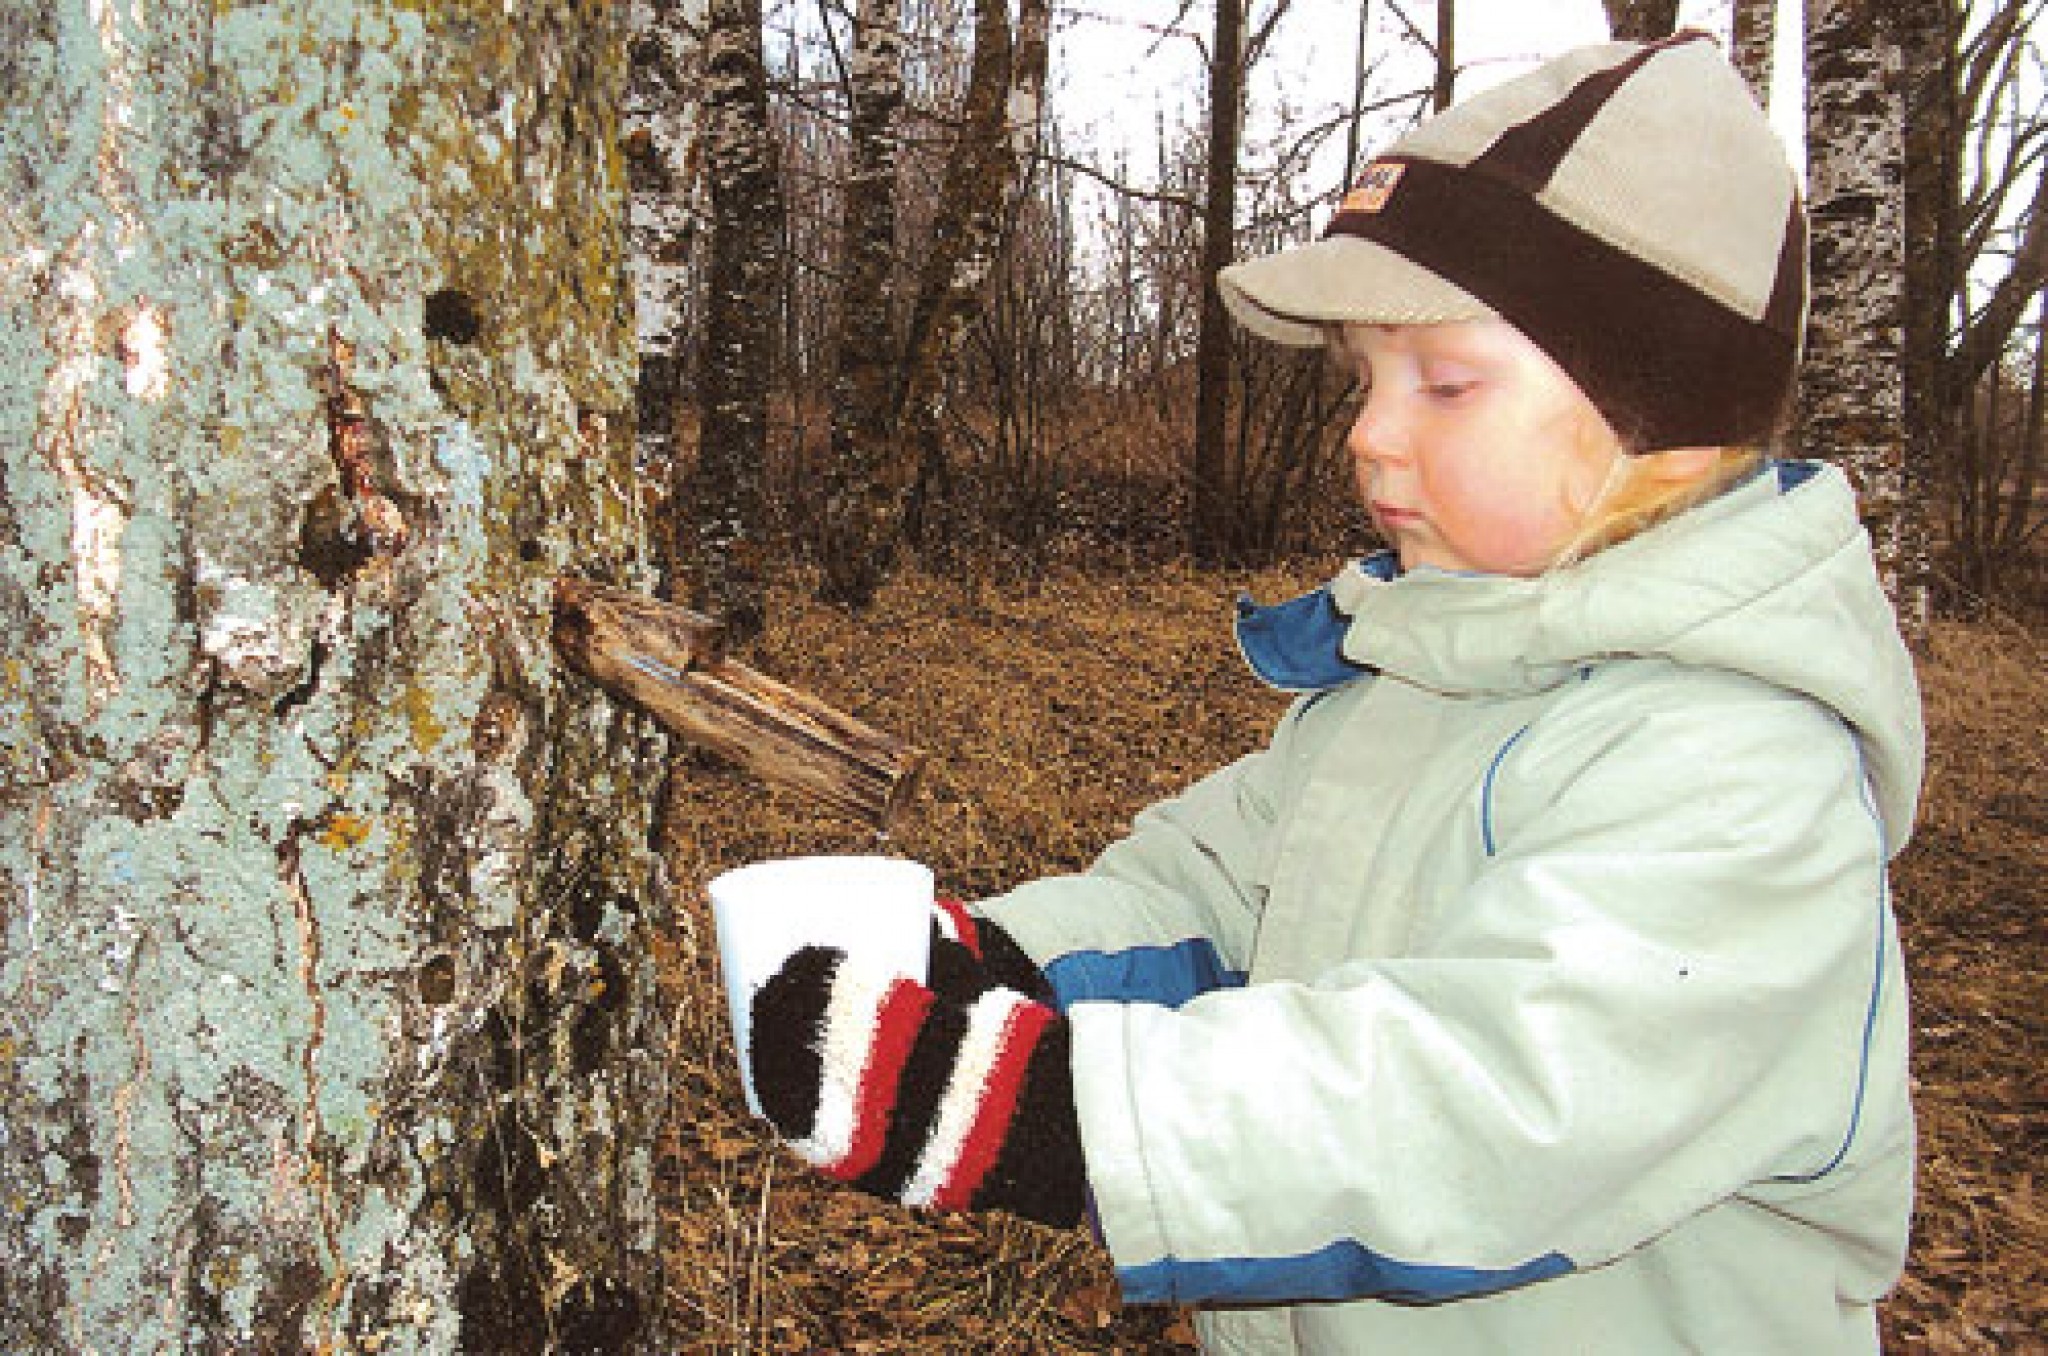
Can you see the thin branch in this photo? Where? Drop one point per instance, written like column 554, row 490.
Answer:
column 1189, row 202
column 1986, row 335
column 1256, row 48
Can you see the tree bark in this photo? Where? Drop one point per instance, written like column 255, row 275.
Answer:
column 1641, row 20
column 1210, row 526
column 1444, row 90
column 327, row 1014
column 1753, row 45
column 1851, row 400
column 717, row 507
column 1966, row 128
column 1936, row 132
column 869, row 470
column 662, row 122
column 998, row 137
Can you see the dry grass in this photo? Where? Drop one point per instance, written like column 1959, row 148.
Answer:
column 1970, row 902
column 1056, row 712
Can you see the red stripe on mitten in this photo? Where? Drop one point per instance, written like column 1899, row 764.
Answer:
column 970, row 953
column 896, row 1025
column 956, row 924
column 996, row 1107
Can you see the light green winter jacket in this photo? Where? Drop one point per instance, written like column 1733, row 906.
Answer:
column 1536, row 989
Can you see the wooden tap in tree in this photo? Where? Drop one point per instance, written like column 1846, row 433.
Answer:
column 670, row 662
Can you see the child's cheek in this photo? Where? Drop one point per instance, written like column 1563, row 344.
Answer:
column 1499, row 521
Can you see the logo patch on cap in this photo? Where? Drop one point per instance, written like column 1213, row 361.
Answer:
column 1374, row 188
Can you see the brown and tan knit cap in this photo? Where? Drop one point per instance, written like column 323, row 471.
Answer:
column 1625, row 206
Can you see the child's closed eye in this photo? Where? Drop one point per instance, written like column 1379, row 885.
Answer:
column 1449, row 390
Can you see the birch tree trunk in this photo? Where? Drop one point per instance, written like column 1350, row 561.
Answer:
column 997, row 141
column 1851, row 403
column 661, row 121
column 326, row 1013
column 1211, row 530
column 1641, row 20
column 717, row 507
column 1753, row 45
column 868, row 471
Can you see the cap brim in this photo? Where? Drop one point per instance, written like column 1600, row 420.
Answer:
column 1294, row 296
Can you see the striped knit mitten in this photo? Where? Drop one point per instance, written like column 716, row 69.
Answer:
column 956, row 1097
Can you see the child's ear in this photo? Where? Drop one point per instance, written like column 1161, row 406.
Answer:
column 1680, row 465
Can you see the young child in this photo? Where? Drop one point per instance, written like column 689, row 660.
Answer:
column 1535, row 990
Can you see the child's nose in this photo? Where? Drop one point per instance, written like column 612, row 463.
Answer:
column 1373, row 435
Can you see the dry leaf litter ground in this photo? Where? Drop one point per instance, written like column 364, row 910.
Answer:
column 1052, row 713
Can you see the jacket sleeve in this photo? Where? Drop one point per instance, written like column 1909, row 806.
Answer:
column 1170, row 911
column 1666, row 983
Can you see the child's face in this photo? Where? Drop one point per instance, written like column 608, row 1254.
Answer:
column 1473, row 450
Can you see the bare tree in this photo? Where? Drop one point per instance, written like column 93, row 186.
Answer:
column 328, row 1019
column 993, row 149
column 716, row 509
column 869, row 469
column 662, row 149
column 1851, row 396
column 1209, row 521
column 1262, row 418
column 1753, row 47
column 1641, row 20
column 1445, row 91
column 1175, row 253
column 1024, row 356
column 1990, row 468
column 1977, row 208
column 1354, row 125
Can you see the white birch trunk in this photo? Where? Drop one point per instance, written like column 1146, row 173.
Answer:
column 1851, row 401
column 867, row 477
column 662, row 120
column 1753, row 47
column 326, row 1014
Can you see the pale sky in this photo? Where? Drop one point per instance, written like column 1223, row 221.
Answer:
column 1113, row 72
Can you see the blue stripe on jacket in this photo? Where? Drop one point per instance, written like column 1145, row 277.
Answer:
column 1342, row 1271
column 1167, row 976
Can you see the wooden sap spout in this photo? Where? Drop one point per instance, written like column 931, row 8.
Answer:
column 671, row 663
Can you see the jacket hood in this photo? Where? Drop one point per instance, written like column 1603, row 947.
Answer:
column 1774, row 579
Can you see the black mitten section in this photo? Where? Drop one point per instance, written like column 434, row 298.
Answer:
column 969, row 950
column 1039, row 1172
column 788, row 1073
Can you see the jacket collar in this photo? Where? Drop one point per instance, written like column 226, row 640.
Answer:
column 1773, row 580
column 1298, row 645
column 1473, row 632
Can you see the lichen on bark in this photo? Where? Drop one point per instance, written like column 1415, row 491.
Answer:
column 326, row 1016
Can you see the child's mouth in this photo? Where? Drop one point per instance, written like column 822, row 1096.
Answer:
column 1392, row 519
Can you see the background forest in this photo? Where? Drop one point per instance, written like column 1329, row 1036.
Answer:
column 957, row 332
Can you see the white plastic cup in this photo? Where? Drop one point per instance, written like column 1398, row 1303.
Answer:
column 876, row 909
